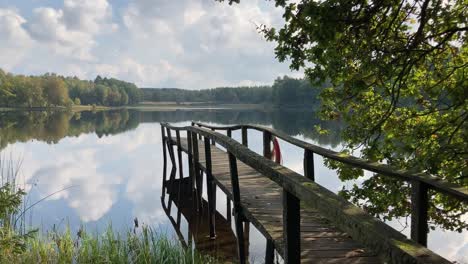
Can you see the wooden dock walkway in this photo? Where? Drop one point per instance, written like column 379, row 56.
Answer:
column 261, row 201
column 302, row 221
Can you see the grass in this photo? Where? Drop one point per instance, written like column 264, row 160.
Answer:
column 146, row 246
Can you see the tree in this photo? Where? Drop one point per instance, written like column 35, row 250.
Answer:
column 55, row 91
column 397, row 73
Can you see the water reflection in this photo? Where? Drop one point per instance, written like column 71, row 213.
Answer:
column 180, row 196
column 109, row 166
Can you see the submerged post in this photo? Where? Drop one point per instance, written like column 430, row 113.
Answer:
column 237, row 207
column 163, row 136
column 419, row 208
column 210, row 188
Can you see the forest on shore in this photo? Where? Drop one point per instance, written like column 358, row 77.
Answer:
column 51, row 90
column 285, row 91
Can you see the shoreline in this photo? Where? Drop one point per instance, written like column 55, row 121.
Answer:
column 163, row 106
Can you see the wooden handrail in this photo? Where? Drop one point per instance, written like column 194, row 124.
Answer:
column 346, row 216
column 436, row 183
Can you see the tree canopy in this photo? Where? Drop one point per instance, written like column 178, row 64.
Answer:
column 54, row 90
column 397, row 73
column 285, row 92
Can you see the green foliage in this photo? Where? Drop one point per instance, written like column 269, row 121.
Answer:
column 53, row 90
column 285, row 91
column 146, row 246
column 10, row 200
column 397, row 73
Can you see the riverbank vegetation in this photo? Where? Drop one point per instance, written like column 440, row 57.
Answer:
column 51, row 90
column 145, row 246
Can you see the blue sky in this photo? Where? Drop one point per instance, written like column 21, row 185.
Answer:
column 180, row 43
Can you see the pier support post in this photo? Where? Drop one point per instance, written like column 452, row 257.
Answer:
column 210, row 188
column 196, row 170
column 190, row 161
column 291, row 228
column 179, row 154
column 267, row 144
column 419, row 208
column 163, row 140
column 309, row 164
column 245, row 140
column 237, row 208
column 269, row 252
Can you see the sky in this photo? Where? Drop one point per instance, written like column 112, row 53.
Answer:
column 190, row 44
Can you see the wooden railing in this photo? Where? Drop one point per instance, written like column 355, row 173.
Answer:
column 296, row 188
column 420, row 182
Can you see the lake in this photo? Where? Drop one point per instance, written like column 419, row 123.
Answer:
column 96, row 169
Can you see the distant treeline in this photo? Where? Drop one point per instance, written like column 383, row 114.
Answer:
column 53, row 90
column 284, row 91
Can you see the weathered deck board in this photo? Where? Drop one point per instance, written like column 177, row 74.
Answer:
column 261, row 200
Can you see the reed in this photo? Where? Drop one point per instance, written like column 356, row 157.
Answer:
column 146, row 246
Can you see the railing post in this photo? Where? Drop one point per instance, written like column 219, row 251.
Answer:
column 245, row 140
column 170, row 148
column 210, row 188
column 179, row 154
column 267, row 144
column 237, row 207
column 213, row 142
column 196, row 170
column 419, row 216
column 189, row 157
column 229, row 133
column 309, row 164
column 291, row 228
column 199, row 136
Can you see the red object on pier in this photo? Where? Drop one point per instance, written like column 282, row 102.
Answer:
column 276, row 153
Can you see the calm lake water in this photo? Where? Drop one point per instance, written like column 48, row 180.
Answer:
column 106, row 167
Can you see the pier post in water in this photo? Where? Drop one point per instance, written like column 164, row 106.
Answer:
column 210, row 188
column 237, row 208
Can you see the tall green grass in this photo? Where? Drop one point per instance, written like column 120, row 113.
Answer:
column 146, row 246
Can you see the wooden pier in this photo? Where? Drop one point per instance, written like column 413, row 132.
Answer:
column 302, row 221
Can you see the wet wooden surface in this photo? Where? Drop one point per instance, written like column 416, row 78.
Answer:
column 261, row 200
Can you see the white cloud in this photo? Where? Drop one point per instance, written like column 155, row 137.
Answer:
column 14, row 39
column 71, row 31
column 187, row 44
